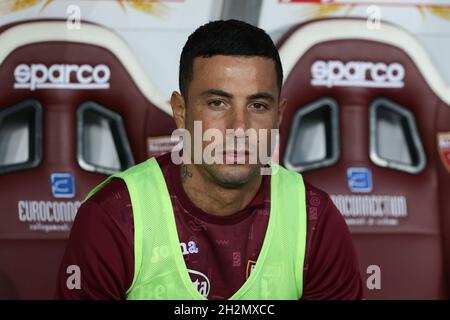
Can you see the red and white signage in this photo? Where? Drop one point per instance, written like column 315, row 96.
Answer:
column 444, row 148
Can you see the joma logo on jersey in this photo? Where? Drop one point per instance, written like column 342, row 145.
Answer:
column 160, row 253
column 189, row 248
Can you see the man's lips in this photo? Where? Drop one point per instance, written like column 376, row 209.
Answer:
column 236, row 156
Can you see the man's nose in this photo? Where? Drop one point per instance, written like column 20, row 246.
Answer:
column 239, row 119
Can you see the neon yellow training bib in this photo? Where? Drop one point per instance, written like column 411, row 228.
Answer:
column 159, row 268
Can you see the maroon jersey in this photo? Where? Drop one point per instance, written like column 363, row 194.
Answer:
column 219, row 251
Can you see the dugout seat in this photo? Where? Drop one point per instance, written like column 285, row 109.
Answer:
column 75, row 106
column 368, row 120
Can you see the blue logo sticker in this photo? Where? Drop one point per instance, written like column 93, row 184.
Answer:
column 63, row 185
column 359, row 179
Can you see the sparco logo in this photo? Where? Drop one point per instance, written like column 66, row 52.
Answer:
column 61, row 76
column 357, row 74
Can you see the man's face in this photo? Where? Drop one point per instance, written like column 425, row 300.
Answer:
column 237, row 93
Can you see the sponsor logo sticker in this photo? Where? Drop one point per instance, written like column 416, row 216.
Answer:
column 63, row 185
column 359, row 179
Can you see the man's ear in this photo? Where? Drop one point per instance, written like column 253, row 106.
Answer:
column 281, row 107
column 178, row 109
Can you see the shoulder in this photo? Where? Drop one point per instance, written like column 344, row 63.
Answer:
column 113, row 191
column 316, row 196
column 319, row 204
column 323, row 215
column 109, row 208
column 108, row 212
column 331, row 269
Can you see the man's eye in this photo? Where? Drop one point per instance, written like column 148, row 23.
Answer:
column 216, row 104
column 259, row 106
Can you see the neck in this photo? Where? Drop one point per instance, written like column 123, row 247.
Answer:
column 213, row 198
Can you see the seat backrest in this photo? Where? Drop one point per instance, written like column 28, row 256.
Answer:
column 75, row 106
column 365, row 110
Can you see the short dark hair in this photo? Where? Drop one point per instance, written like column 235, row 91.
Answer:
column 229, row 38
